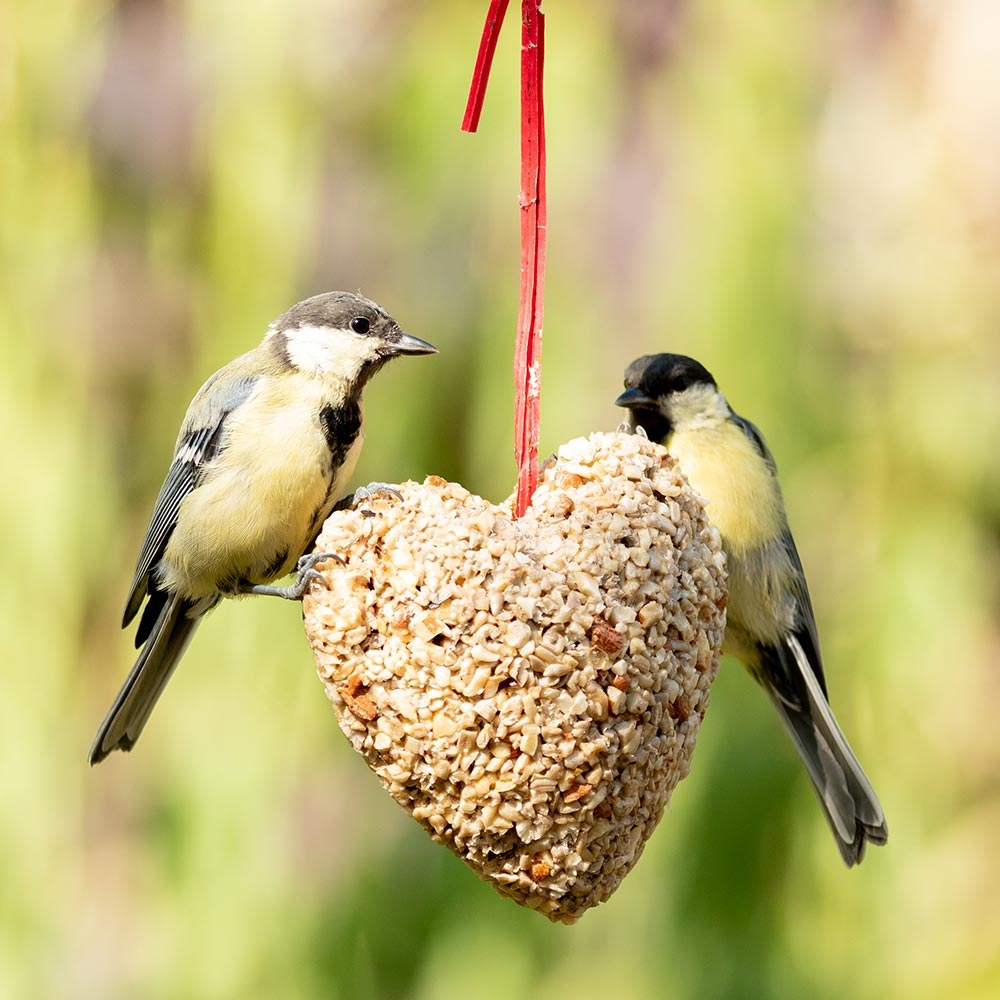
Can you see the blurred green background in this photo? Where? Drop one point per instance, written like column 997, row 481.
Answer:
column 804, row 194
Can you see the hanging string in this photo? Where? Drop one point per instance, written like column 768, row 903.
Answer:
column 532, row 201
column 484, row 62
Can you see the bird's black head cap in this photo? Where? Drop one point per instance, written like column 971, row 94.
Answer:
column 339, row 311
column 651, row 380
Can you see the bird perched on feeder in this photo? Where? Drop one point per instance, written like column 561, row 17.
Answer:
column 268, row 445
column 770, row 625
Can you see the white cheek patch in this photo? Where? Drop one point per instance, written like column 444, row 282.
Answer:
column 697, row 406
column 342, row 352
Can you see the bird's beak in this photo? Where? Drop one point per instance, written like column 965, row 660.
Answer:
column 408, row 344
column 634, row 399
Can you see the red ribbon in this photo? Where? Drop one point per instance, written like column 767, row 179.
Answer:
column 484, row 61
column 528, row 347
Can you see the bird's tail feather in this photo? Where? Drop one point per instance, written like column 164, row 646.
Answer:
column 849, row 802
column 172, row 631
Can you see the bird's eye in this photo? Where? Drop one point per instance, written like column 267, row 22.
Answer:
column 360, row 325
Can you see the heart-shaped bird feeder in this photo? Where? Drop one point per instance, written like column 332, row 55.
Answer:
column 529, row 689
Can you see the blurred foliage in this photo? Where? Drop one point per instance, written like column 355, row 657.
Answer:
column 804, row 195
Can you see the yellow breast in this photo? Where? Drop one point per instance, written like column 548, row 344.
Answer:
column 744, row 502
column 722, row 464
column 255, row 512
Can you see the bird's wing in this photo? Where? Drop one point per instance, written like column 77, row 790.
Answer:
column 198, row 444
column 804, row 628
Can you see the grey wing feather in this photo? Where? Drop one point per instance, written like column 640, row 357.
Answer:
column 196, row 447
column 805, row 619
column 181, row 480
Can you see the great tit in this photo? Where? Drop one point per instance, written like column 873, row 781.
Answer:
column 770, row 623
column 266, row 449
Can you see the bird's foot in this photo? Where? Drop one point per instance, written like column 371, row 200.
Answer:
column 365, row 494
column 626, row 428
column 294, row 591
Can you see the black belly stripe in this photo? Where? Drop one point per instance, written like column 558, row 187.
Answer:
column 341, row 426
column 322, row 511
